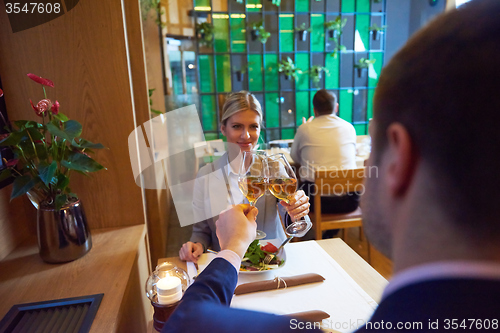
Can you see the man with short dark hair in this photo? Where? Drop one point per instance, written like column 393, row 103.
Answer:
column 326, row 142
column 434, row 206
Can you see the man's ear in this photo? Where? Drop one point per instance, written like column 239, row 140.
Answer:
column 401, row 158
column 336, row 109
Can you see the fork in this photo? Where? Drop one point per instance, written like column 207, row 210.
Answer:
column 270, row 256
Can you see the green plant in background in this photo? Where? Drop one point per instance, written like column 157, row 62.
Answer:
column 376, row 31
column 288, row 68
column 363, row 64
column 150, row 93
column 258, row 32
column 315, row 73
column 302, row 30
column 205, row 33
column 335, row 29
column 147, row 5
column 46, row 152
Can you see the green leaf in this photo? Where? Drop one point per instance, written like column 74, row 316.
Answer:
column 86, row 144
column 71, row 129
column 156, row 111
column 61, row 117
column 12, row 140
column 47, row 171
column 81, row 162
column 34, row 133
column 22, row 185
column 61, row 199
column 62, row 181
column 23, row 124
column 6, row 173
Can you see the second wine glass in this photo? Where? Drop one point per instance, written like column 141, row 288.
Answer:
column 283, row 185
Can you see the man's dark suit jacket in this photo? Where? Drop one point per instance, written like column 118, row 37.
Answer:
column 205, row 306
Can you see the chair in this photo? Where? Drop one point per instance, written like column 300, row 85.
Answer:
column 337, row 182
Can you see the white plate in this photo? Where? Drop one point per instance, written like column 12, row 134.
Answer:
column 280, row 255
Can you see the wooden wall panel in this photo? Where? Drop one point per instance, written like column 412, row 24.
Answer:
column 84, row 53
column 17, row 221
column 157, row 201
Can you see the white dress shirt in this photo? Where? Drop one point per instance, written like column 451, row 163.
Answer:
column 327, row 142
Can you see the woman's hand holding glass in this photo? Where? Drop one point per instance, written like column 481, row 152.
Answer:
column 297, row 205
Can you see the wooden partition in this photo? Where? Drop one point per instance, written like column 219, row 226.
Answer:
column 84, row 52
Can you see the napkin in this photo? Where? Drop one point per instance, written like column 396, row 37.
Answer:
column 313, row 315
column 278, row 283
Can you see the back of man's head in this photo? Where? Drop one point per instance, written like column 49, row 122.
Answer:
column 444, row 87
column 324, row 102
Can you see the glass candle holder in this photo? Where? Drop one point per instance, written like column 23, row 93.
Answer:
column 164, row 288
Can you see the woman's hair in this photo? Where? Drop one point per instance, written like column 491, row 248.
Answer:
column 240, row 101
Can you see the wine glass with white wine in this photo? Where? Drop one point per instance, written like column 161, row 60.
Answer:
column 282, row 184
column 252, row 178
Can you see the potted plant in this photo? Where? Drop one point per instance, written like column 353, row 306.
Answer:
column 45, row 155
column 302, row 31
column 377, row 31
column 315, row 73
column 335, row 27
column 288, row 68
column 363, row 64
column 205, row 33
column 257, row 31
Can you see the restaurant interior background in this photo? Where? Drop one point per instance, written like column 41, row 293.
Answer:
column 105, row 57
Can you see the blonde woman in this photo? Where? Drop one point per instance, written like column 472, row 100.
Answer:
column 241, row 125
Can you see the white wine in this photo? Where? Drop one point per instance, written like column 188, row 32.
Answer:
column 282, row 188
column 252, row 187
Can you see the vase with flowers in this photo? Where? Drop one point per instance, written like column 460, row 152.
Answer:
column 46, row 152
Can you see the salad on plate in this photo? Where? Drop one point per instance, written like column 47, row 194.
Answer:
column 253, row 260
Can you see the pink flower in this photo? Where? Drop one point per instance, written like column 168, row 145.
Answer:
column 55, row 108
column 1, row 92
column 34, row 107
column 41, row 80
column 42, row 107
column 12, row 163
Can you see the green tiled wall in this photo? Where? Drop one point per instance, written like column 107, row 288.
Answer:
column 377, row 66
column 255, row 72
column 207, row 110
column 206, row 73
column 302, row 62
column 302, row 5
column 238, row 36
column 272, row 110
column 333, row 65
column 302, row 104
column 345, row 104
column 232, row 43
column 287, row 33
column 318, row 32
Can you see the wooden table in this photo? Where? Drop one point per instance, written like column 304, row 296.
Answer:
column 365, row 276
column 117, row 265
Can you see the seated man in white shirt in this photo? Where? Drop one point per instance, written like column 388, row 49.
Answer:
column 326, row 142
